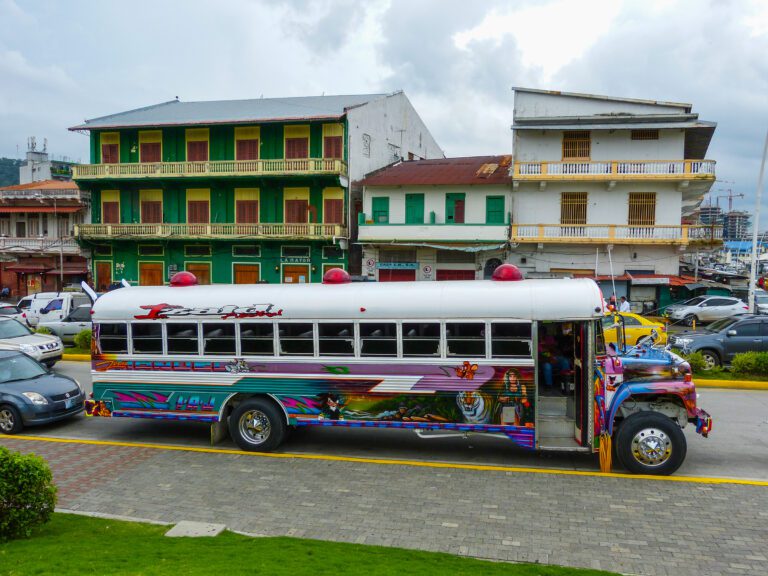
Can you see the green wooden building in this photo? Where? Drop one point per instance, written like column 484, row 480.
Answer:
column 239, row 191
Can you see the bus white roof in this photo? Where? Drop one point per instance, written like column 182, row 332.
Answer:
column 556, row 299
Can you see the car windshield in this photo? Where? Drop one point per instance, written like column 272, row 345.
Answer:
column 19, row 367
column 12, row 329
column 694, row 301
column 719, row 325
column 759, row 297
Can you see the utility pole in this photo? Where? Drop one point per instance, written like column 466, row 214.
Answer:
column 755, row 226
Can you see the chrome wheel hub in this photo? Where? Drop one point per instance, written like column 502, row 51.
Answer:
column 709, row 362
column 651, row 447
column 255, row 427
column 6, row 420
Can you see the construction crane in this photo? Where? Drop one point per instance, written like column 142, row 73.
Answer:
column 730, row 197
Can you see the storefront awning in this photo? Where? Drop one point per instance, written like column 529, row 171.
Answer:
column 695, row 286
column 77, row 270
column 28, row 268
column 457, row 247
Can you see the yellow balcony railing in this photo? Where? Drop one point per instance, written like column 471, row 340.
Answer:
column 228, row 231
column 616, row 170
column 615, row 234
column 279, row 167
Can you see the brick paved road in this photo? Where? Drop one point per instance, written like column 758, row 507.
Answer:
column 631, row 526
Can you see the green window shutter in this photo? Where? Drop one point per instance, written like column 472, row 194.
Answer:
column 494, row 209
column 454, row 208
column 414, row 208
column 380, row 209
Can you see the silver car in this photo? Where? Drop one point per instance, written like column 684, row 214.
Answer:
column 71, row 325
column 44, row 348
column 706, row 309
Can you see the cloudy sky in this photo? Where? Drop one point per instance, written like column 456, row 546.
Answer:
column 62, row 62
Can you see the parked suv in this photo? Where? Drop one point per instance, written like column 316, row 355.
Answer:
column 722, row 340
column 69, row 326
column 44, row 348
column 51, row 305
column 706, row 309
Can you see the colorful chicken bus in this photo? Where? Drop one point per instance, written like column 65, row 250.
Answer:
column 524, row 360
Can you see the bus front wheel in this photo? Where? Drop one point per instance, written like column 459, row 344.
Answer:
column 650, row 443
column 257, row 425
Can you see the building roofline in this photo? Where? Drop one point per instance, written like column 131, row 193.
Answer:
column 685, row 105
column 88, row 124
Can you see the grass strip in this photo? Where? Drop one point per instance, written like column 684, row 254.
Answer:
column 73, row 544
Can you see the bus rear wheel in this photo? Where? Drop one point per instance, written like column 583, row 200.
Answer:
column 257, row 425
column 650, row 443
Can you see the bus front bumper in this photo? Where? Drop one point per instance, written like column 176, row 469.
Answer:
column 703, row 422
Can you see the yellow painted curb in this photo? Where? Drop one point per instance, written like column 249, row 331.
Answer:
column 396, row 462
column 76, row 357
column 732, row 384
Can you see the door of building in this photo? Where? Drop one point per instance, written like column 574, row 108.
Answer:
column 246, row 273
column 296, row 274
column 103, row 275
column 150, row 273
column 397, row 275
column 455, row 275
column 201, row 270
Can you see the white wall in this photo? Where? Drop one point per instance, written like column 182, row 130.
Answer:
column 532, row 205
column 539, row 262
column 540, row 145
column 531, row 104
column 434, row 201
column 389, row 120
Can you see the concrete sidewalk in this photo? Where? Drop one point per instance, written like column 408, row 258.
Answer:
column 628, row 525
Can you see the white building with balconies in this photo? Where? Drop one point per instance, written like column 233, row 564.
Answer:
column 606, row 186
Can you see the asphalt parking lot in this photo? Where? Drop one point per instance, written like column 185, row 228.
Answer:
column 737, row 447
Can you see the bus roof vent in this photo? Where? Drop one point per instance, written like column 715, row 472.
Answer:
column 336, row 276
column 183, row 278
column 507, row 273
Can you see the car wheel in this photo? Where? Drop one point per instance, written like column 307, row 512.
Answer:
column 690, row 319
column 711, row 359
column 650, row 443
column 257, row 425
column 10, row 420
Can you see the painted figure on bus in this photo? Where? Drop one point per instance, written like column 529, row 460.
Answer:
column 331, row 407
column 476, row 407
column 515, row 394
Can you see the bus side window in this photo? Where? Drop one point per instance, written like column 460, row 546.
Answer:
column 421, row 339
column 378, row 339
column 465, row 339
column 336, row 339
column 256, row 338
column 296, row 339
column 182, row 338
column 147, row 338
column 510, row 339
column 219, row 338
column 113, row 338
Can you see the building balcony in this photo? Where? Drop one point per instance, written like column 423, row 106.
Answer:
column 474, row 233
column 213, row 168
column 230, row 231
column 682, row 235
column 611, row 170
column 44, row 245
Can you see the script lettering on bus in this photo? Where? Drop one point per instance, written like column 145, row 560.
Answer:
column 160, row 311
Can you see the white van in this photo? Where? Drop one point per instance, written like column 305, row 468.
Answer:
column 50, row 306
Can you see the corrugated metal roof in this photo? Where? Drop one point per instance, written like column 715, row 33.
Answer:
column 601, row 97
column 621, row 123
column 177, row 113
column 43, row 185
column 478, row 170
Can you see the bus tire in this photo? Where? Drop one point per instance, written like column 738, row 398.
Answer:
column 650, row 443
column 257, row 425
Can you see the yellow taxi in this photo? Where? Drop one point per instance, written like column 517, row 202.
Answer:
column 635, row 326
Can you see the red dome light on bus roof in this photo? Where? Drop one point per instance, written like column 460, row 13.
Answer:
column 336, row 276
column 507, row 273
column 183, row 278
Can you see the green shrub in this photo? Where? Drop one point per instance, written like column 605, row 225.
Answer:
column 83, row 339
column 27, row 494
column 43, row 330
column 750, row 363
column 696, row 360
